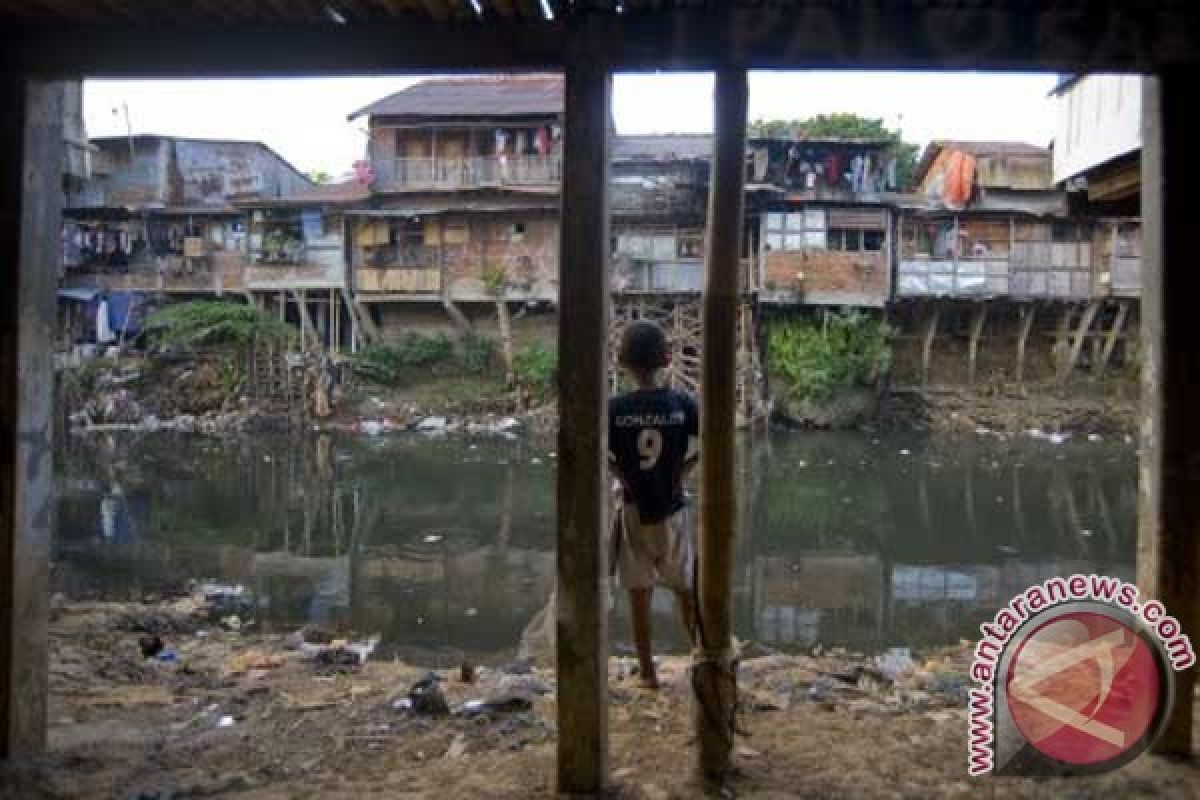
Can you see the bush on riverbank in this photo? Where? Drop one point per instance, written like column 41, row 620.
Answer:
column 391, row 365
column 536, row 367
column 811, row 359
column 208, row 322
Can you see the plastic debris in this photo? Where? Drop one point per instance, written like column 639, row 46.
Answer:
column 150, row 646
column 426, row 696
column 168, row 656
column 225, row 721
column 432, row 424
column 896, row 663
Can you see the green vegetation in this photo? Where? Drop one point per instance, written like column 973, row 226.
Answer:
column 387, row 364
column 812, row 358
column 844, row 126
column 477, row 353
column 207, row 322
column 536, row 367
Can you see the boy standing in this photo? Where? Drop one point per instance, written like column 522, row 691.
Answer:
column 650, row 431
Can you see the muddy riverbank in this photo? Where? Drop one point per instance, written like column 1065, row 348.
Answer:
column 223, row 711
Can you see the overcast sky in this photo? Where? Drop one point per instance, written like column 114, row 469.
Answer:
column 305, row 119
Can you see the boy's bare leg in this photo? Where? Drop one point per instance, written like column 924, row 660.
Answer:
column 687, row 613
column 639, row 611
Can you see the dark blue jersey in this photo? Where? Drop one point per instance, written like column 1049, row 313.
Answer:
column 648, row 432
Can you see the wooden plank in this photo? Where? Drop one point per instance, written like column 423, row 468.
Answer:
column 1111, row 339
column 31, row 137
column 1107, row 36
column 714, row 677
column 1168, row 552
column 927, row 343
column 582, row 614
column 1027, row 314
column 978, row 318
column 1085, row 325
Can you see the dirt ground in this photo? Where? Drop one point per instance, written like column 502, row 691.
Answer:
column 244, row 715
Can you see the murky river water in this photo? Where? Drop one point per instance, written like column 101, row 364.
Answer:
column 445, row 545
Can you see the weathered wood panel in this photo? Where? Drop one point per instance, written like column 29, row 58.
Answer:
column 1168, row 560
column 32, row 115
column 582, row 614
column 398, row 280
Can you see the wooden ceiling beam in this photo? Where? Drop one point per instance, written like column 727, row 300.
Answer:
column 904, row 35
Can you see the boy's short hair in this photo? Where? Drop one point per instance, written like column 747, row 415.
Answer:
column 644, row 346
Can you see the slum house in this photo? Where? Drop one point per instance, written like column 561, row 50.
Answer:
column 464, row 208
column 157, row 213
column 1097, row 160
column 822, row 232
column 297, row 260
column 658, row 202
column 987, row 251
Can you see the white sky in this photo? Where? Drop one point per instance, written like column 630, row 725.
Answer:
column 304, row 119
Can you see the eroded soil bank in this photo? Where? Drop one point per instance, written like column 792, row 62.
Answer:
column 222, row 711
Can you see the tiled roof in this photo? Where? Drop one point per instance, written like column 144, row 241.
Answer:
column 476, row 96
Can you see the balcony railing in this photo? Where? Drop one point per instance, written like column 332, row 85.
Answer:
column 459, row 173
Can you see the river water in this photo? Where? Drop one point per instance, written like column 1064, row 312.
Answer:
column 444, row 545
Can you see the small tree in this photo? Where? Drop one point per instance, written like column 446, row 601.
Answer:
column 496, row 280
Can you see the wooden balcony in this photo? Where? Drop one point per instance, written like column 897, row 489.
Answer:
column 409, row 174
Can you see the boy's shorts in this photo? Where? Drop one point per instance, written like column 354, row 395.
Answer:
column 659, row 554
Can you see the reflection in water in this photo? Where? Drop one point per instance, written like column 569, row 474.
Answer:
column 445, row 546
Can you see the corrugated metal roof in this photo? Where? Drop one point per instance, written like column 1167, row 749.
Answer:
column 474, row 96
column 979, row 149
column 662, row 147
column 351, row 191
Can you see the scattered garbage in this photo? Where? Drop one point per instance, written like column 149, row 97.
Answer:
column 503, row 702
column 225, row 721
column 457, row 748
column 150, row 646
column 1085, row 532
column 340, row 652
column 431, row 538
column 371, row 427
column 167, row 656
column 432, row 425
column 896, row 663
column 426, row 696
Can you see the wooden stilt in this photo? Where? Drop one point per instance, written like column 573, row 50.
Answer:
column 1168, row 553
column 1081, row 334
column 714, row 678
column 1027, row 314
column 1114, row 335
column 978, row 318
column 31, row 168
column 307, row 328
column 1062, row 340
column 582, row 634
column 927, row 346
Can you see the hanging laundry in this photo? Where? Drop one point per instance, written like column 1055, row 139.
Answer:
column 501, row 141
column 960, row 180
column 833, row 169
column 856, row 166
column 761, row 160
column 522, row 142
column 890, row 174
column 541, row 141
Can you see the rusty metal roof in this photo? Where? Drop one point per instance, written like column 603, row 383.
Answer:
column 662, row 147
column 343, row 192
column 473, row 96
column 979, row 149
